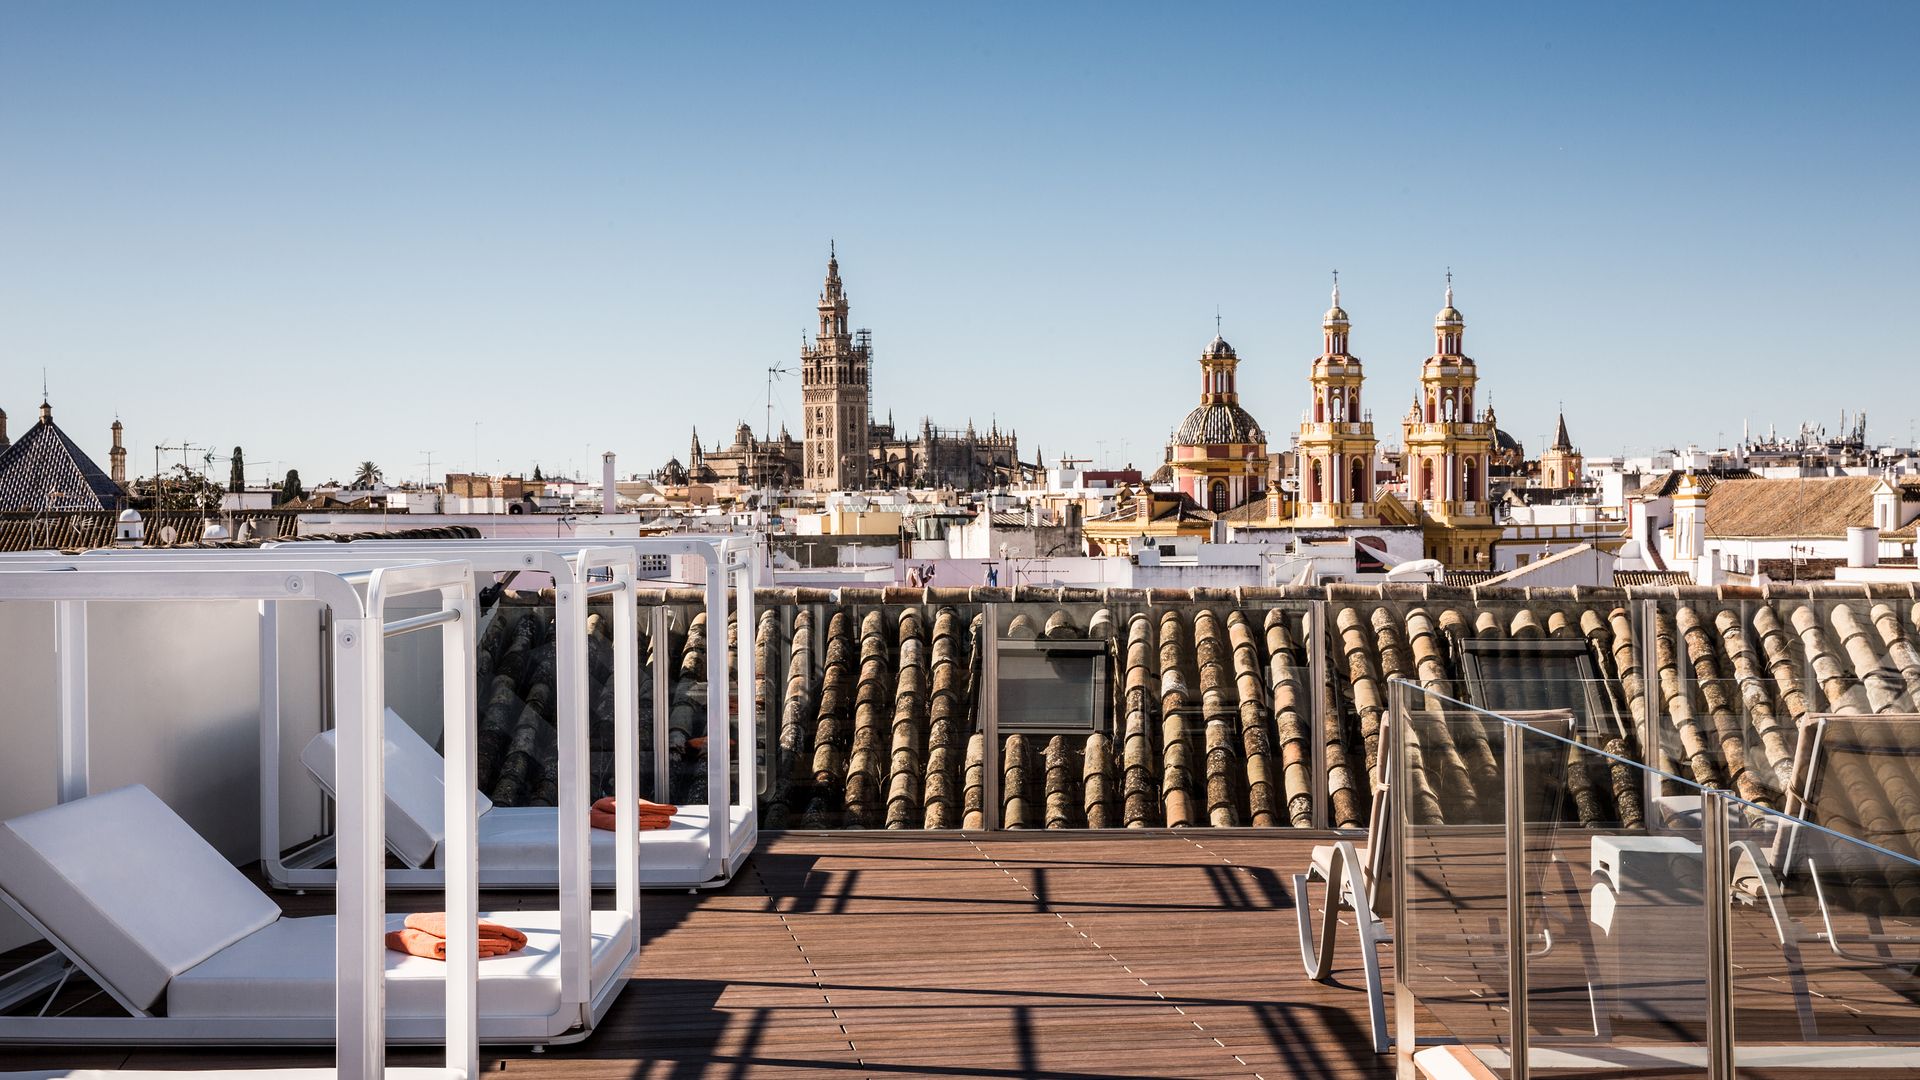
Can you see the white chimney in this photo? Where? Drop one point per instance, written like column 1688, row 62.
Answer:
column 609, row 487
column 1863, row 545
column 131, row 531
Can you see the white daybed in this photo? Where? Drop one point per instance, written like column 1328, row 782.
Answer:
column 693, row 853
column 195, row 954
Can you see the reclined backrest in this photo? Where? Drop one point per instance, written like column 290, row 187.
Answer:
column 416, row 786
column 135, row 894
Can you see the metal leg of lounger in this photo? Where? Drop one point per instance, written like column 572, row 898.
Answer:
column 1346, row 891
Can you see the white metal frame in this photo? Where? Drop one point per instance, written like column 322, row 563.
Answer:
column 730, row 561
column 582, row 1003
column 358, row 1029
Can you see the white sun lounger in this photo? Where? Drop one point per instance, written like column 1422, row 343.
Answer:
column 172, row 932
column 517, row 843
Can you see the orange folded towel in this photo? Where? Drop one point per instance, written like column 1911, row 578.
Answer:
column 435, row 923
column 606, row 805
column 434, row 947
column 653, row 815
column 698, row 742
column 605, row 821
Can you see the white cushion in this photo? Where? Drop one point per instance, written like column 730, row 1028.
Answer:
column 415, row 785
column 133, row 891
column 527, row 837
column 286, row 970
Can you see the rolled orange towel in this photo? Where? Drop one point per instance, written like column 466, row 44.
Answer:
column 647, row 807
column 434, row 947
column 698, row 742
column 435, row 923
column 603, row 819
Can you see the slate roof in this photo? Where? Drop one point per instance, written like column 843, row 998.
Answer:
column 45, row 470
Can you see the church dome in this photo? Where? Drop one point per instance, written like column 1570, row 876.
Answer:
column 1507, row 443
column 1215, row 424
column 1449, row 316
column 1336, row 316
column 1218, row 347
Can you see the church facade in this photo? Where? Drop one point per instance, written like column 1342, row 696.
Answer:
column 1220, row 464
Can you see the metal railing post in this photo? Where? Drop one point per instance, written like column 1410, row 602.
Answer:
column 1516, row 826
column 1405, row 1027
column 1714, row 889
column 990, row 759
column 1652, row 747
column 1320, row 707
column 662, row 685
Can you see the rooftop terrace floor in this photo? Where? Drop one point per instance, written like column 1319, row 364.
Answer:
column 952, row 956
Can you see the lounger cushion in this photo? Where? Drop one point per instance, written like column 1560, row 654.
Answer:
column 416, row 788
column 135, row 893
column 286, row 970
column 528, row 837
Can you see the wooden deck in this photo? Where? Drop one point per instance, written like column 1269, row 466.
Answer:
column 1079, row 955
column 987, row 956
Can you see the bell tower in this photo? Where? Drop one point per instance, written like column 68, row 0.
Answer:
column 1449, row 446
column 835, row 384
column 1336, row 444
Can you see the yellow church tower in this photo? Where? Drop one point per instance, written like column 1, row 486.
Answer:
column 1448, row 447
column 1336, row 444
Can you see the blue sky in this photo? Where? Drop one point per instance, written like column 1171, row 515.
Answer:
column 336, row 232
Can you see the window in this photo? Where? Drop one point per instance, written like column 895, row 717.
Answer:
column 1050, row 687
column 1510, row 676
column 1217, row 500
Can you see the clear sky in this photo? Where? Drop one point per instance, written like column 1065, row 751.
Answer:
column 334, row 232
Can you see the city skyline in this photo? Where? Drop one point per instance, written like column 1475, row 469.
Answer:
column 258, row 227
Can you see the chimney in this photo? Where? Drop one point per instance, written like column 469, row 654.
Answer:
column 1689, row 521
column 1863, row 546
column 609, row 487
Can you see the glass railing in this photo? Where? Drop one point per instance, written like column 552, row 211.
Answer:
column 1558, row 927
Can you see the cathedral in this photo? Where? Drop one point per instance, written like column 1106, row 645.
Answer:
column 841, row 447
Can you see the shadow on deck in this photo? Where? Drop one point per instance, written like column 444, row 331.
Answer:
column 957, row 956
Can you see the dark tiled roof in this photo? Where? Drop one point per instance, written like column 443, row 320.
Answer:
column 1209, row 424
column 1800, row 569
column 44, row 470
column 1651, row 577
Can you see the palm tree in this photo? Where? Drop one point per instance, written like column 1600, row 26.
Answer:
column 368, row 475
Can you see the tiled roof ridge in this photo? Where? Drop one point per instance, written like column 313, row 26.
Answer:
column 1343, row 591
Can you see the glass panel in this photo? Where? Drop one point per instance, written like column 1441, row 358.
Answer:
column 1451, row 937
column 1617, row 928
column 1825, row 905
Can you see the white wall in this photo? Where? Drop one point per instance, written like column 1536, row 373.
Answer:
column 173, row 703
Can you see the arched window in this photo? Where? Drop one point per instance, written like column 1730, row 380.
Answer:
column 1426, row 480
column 1358, row 488
column 1473, row 479
column 1317, row 482
column 1217, row 502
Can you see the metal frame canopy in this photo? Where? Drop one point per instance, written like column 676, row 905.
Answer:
column 358, row 684
column 580, row 574
column 728, row 561
column 358, row 601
